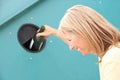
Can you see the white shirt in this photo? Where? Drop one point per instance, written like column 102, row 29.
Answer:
column 110, row 65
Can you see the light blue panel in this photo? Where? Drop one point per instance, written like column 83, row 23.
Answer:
column 56, row 61
column 10, row 8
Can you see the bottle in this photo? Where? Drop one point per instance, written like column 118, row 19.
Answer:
column 37, row 43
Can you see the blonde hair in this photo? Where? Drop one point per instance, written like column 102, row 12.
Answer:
column 88, row 23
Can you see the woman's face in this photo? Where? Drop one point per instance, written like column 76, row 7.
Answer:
column 76, row 42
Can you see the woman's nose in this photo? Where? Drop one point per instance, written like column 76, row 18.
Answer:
column 71, row 47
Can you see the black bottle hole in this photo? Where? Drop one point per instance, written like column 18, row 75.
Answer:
column 26, row 37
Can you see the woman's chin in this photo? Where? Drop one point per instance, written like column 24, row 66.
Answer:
column 84, row 54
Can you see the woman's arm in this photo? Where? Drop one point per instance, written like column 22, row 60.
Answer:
column 51, row 31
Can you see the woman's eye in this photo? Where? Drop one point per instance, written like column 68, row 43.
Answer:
column 69, row 39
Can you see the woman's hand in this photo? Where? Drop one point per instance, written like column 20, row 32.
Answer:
column 47, row 32
column 51, row 31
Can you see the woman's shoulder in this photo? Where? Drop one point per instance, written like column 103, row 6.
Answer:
column 113, row 54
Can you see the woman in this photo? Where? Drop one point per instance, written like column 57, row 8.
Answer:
column 85, row 30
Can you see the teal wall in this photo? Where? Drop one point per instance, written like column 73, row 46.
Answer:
column 9, row 9
column 56, row 61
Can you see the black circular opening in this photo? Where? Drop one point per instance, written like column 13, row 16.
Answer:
column 26, row 36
